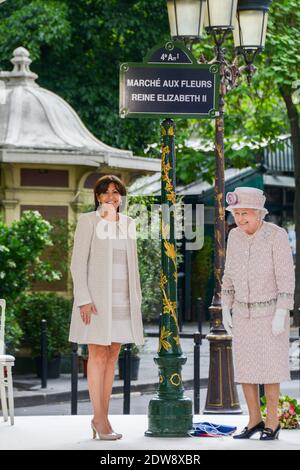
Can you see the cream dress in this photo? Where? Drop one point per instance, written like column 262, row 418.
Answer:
column 121, row 320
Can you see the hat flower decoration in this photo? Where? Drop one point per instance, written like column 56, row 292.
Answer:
column 231, row 198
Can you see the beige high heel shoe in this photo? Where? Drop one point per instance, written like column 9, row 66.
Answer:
column 117, row 433
column 104, row 437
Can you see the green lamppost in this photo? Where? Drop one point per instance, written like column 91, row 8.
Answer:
column 247, row 19
column 170, row 412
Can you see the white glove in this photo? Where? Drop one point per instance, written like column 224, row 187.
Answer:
column 279, row 321
column 227, row 319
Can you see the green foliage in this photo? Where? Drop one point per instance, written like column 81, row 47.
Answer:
column 21, row 246
column 134, row 350
column 149, row 256
column 37, row 25
column 13, row 330
column 281, row 58
column 202, row 268
column 78, row 46
column 147, row 214
column 149, row 253
column 254, row 114
column 33, row 308
column 62, row 241
column 191, row 164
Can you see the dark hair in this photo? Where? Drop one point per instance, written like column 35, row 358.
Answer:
column 102, row 184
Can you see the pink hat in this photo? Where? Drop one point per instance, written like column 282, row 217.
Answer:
column 246, row 198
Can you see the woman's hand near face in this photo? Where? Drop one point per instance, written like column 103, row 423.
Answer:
column 86, row 311
column 107, row 210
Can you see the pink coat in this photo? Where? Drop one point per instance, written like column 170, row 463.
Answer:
column 259, row 272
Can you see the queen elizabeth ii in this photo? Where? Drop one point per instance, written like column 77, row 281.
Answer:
column 258, row 289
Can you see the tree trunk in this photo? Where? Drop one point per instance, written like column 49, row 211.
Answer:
column 293, row 115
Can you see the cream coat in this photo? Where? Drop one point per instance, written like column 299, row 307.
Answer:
column 258, row 279
column 91, row 269
column 259, row 273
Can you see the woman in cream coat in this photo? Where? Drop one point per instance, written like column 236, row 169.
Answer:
column 107, row 294
column 258, row 286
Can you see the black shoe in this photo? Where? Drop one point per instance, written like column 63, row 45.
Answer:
column 269, row 435
column 247, row 433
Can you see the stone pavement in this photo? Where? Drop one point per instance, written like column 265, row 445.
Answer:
column 28, row 390
column 74, row 433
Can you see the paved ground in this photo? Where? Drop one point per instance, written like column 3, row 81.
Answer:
column 47, row 425
column 138, row 403
column 74, row 433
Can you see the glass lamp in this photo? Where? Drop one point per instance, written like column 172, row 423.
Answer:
column 251, row 25
column 220, row 15
column 186, row 18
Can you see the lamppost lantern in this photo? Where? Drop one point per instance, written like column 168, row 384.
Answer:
column 247, row 19
column 220, row 15
column 186, row 18
column 251, row 26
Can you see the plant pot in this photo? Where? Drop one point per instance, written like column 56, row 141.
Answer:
column 24, row 365
column 134, row 367
column 66, row 364
column 53, row 367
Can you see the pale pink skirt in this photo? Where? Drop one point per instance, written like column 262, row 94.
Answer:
column 258, row 356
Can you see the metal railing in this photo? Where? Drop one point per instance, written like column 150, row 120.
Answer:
column 197, row 337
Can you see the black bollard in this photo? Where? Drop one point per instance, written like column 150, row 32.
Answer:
column 44, row 358
column 74, row 379
column 127, row 379
column 197, row 343
column 199, row 312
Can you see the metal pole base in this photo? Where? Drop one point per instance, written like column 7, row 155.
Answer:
column 170, row 418
column 170, row 412
column 222, row 397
